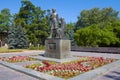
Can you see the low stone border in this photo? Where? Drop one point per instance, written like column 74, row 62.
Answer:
column 112, row 50
column 54, row 59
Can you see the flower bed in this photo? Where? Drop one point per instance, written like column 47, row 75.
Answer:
column 15, row 59
column 40, row 64
column 73, row 68
column 33, row 66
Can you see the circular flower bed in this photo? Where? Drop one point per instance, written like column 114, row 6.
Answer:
column 73, row 68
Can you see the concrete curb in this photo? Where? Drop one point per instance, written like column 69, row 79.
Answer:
column 54, row 59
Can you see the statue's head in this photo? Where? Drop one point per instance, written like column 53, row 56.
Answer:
column 53, row 10
column 62, row 19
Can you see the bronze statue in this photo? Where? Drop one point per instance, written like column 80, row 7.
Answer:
column 53, row 23
column 62, row 29
column 57, row 27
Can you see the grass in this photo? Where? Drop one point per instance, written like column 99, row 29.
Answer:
column 36, row 48
column 6, row 50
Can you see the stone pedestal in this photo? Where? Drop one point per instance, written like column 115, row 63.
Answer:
column 57, row 48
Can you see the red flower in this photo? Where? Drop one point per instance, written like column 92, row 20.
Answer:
column 46, row 63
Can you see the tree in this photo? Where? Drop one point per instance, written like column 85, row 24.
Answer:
column 2, row 27
column 41, row 25
column 26, row 11
column 103, row 28
column 5, row 19
column 17, row 38
column 21, row 37
column 17, row 20
column 116, row 30
column 12, row 38
column 70, row 33
column 35, row 21
column 96, row 16
column 93, row 36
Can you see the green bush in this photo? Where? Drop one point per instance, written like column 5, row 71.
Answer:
column 93, row 36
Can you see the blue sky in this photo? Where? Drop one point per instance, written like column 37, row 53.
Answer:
column 69, row 9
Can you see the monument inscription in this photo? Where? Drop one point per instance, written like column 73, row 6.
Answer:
column 52, row 46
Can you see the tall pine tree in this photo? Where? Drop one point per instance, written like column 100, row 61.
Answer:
column 17, row 38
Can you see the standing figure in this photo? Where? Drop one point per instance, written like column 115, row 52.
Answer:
column 53, row 23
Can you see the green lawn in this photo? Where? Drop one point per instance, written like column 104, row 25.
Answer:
column 6, row 50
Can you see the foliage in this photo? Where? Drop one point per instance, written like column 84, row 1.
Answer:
column 98, row 27
column 96, row 16
column 70, row 33
column 116, row 30
column 34, row 20
column 5, row 19
column 17, row 38
column 93, row 36
column 26, row 11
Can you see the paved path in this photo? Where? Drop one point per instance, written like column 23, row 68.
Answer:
column 9, row 74
column 112, row 75
column 117, row 56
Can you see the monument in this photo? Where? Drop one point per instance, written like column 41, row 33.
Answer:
column 57, row 45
